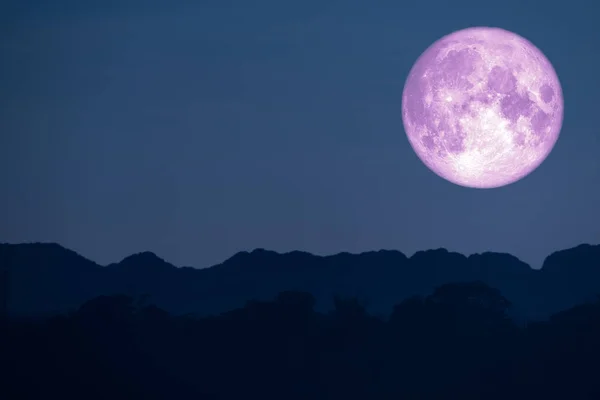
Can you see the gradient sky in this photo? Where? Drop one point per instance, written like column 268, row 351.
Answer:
column 196, row 129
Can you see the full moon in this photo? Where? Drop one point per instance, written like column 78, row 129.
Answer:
column 482, row 107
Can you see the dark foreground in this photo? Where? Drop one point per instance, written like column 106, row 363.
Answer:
column 456, row 343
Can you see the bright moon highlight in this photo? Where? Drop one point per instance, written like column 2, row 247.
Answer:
column 482, row 107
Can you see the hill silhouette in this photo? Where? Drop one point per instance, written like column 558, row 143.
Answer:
column 47, row 279
column 437, row 325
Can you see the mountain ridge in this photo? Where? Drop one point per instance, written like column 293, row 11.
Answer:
column 150, row 254
column 47, row 278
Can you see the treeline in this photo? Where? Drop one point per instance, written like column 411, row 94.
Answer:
column 457, row 343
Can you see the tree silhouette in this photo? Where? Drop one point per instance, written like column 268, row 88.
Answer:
column 457, row 342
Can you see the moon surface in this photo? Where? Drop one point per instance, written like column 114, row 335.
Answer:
column 482, row 107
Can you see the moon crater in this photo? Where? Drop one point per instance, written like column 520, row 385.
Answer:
column 482, row 107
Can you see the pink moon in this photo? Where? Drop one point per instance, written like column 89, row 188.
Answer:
column 482, row 107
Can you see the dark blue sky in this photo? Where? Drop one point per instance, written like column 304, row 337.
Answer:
column 198, row 129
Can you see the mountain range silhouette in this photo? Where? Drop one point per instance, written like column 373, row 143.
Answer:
column 47, row 279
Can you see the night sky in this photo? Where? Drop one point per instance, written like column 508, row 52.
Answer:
column 199, row 129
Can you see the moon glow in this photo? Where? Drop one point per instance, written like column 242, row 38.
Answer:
column 482, row 107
